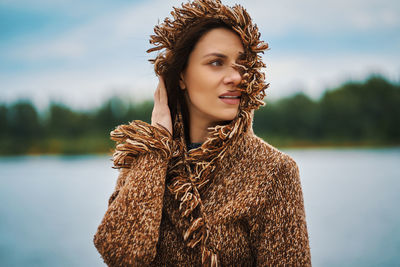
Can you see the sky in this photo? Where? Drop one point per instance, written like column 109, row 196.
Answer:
column 83, row 52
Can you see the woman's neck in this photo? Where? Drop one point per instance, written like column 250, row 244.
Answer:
column 199, row 128
column 198, row 131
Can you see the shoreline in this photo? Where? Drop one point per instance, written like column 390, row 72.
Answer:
column 291, row 146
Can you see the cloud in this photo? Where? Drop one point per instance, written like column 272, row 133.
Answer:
column 321, row 17
column 119, row 26
column 88, row 63
column 290, row 74
column 106, row 53
column 80, row 88
column 286, row 74
column 103, row 33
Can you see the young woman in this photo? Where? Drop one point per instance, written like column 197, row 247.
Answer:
column 197, row 187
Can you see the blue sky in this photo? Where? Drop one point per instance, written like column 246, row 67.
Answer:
column 82, row 52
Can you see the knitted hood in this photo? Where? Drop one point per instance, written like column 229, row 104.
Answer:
column 189, row 172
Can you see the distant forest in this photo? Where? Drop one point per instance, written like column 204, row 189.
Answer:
column 354, row 114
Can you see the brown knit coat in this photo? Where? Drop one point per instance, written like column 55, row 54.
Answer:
column 234, row 201
column 254, row 208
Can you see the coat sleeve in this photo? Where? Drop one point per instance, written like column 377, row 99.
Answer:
column 128, row 232
column 279, row 233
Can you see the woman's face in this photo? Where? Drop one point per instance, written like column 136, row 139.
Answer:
column 211, row 80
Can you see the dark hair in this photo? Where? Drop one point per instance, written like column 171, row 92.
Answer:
column 181, row 52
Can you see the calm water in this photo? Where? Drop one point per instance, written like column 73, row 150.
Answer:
column 50, row 207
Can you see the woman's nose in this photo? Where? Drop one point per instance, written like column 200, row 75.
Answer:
column 232, row 76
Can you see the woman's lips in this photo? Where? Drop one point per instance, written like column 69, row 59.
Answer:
column 230, row 100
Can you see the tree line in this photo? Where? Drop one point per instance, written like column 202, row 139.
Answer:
column 354, row 114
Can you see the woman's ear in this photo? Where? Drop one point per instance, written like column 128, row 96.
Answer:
column 182, row 84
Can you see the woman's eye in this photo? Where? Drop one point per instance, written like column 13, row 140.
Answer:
column 216, row 63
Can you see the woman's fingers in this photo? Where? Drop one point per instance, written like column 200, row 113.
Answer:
column 157, row 96
column 161, row 114
column 163, row 97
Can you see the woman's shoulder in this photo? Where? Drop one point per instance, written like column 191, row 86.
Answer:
column 260, row 150
column 270, row 169
column 266, row 165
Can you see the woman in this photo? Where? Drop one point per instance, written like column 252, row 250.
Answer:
column 197, row 187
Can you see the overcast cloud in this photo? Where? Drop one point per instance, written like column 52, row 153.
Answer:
column 81, row 53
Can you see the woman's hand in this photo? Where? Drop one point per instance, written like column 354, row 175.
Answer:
column 161, row 113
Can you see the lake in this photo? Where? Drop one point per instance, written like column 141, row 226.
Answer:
column 50, row 207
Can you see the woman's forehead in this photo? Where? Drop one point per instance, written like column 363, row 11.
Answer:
column 219, row 41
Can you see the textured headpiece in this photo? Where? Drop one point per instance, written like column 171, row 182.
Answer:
column 190, row 175
column 168, row 33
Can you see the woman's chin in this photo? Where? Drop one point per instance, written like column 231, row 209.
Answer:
column 227, row 119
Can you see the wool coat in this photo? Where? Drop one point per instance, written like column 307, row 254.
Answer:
column 234, row 201
column 254, row 208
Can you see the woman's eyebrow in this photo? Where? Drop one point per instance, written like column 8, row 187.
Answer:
column 215, row 55
column 219, row 55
